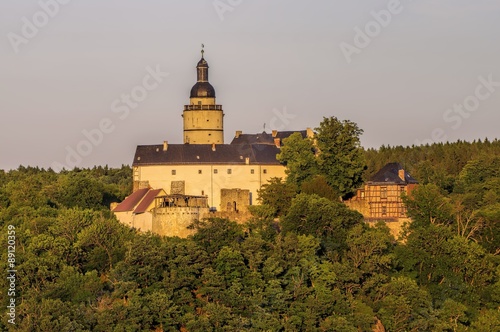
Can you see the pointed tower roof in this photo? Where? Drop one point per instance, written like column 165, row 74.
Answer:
column 202, row 88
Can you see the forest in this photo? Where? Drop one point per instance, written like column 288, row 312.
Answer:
column 304, row 262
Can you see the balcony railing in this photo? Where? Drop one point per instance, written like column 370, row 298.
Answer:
column 203, row 107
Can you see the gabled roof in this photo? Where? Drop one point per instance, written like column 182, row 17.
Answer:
column 265, row 138
column 131, row 201
column 181, row 154
column 147, row 201
column 390, row 174
column 138, row 201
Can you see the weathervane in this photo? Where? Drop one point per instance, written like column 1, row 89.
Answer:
column 202, row 50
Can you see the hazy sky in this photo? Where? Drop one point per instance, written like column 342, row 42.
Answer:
column 405, row 71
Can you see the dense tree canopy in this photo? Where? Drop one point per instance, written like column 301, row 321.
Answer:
column 334, row 153
column 303, row 263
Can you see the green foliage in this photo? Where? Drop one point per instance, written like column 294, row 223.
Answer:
column 427, row 205
column 439, row 163
column 318, row 185
column 215, row 233
column 403, row 306
column 340, row 159
column 320, row 217
column 318, row 268
column 488, row 320
column 334, row 153
column 277, row 195
column 370, row 248
column 297, row 154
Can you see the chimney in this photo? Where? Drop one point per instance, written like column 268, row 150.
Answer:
column 277, row 142
column 213, row 146
column 401, row 174
column 165, row 145
column 275, row 133
column 238, row 133
column 247, row 161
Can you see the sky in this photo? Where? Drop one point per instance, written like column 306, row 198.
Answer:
column 407, row 72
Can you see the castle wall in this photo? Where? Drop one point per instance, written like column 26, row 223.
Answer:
column 361, row 206
column 208, row 180
column 395, row 224
column 235, row 200
column 142, row 222
column 175, row 220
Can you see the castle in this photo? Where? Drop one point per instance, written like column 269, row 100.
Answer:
column 174, row 184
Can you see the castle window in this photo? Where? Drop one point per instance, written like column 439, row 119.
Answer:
column 383, row 192
column 199, row 171
column 384, row 210
column 229, row 171
column 173, row 172
column 215, row 171
column 264, row 171
column 252, row 171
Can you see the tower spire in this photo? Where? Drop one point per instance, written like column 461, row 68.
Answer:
column 203, row 118
column 202, row 67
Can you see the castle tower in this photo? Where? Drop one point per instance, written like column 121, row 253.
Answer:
column 203, row 118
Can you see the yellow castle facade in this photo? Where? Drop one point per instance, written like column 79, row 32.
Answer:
column 220, row 178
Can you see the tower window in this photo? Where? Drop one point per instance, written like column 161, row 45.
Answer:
column 173, row 172
column 199, row 171
column 216, row 171
column 229, row 171
column 264, row 171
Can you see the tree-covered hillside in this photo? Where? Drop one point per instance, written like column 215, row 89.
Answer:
column 319, row 268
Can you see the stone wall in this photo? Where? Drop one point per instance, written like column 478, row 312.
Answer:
column 177, row 187
column 239, row 217
column 234, row 200
column 395, row 224
column 361, row 206
column 140, row 185
column 173, row 221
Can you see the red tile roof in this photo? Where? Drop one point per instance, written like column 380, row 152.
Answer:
column 146, row 201
column 131, row 201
